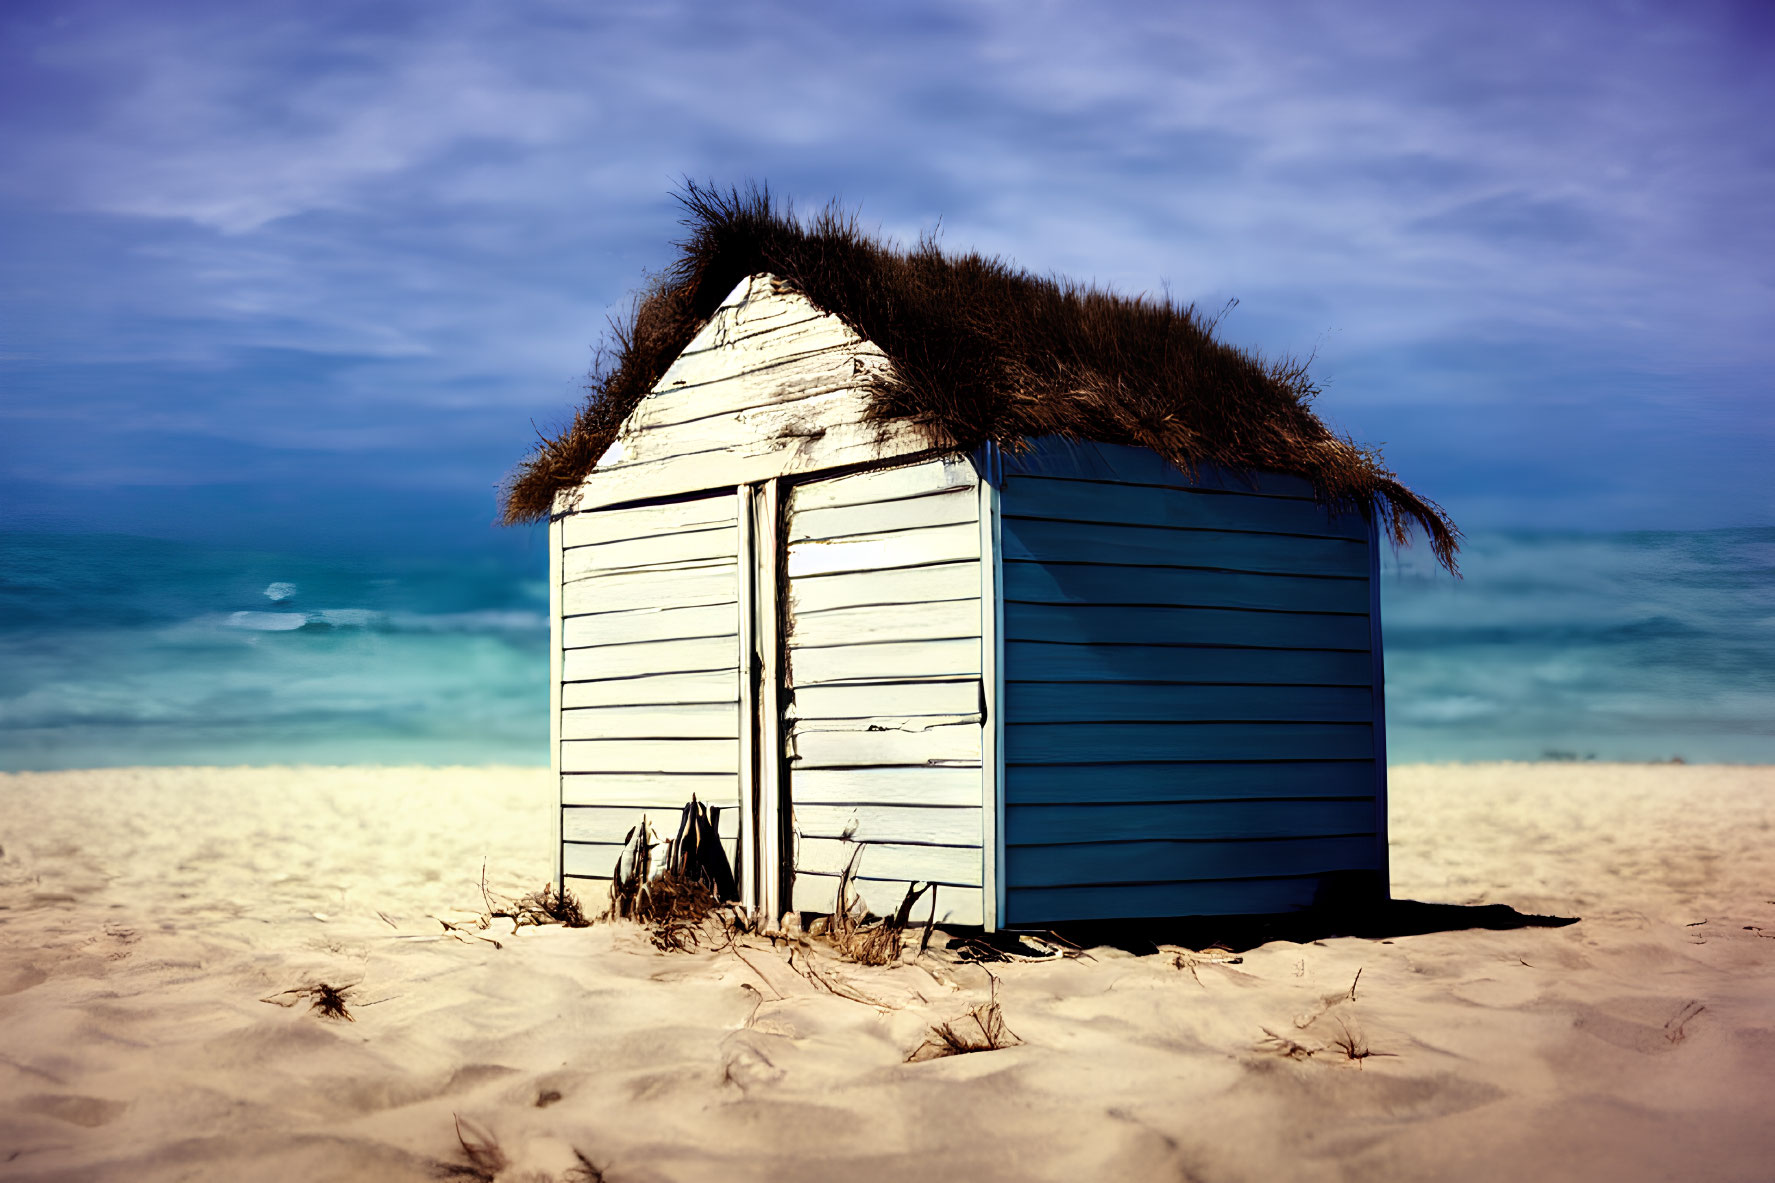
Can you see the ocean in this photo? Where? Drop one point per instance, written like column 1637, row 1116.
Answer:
column 118, row 650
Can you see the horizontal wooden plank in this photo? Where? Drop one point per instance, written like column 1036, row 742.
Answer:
column 683, row 546
column 886, row 622
column 650, row 657
column 706, row 686
column 1202, row 509
column 652, row 792
column 644, row 755
column 884, row 722
column 1146, row 702
column 1037, row 784
column 1140, row 901
column 592, row 861
column 911, row 585
column 902, row 861
column 781, row 364
column 944, row 474
column 736, row 384
column 960, row 698
column 1154, row 546
column 1184, row 626
column 1170, row 862
column 931, row 785
column 709, row 583
column 1027, row 825
column 877, row 552
column 1090, row 583
column 950, row 508
column 890, row 823
column 755, row 456
column 650, row 624
column 1051, row 456
column 786, row 403
column 891, row 662
column 648, row 521
column 1132, row 743
column 824, row 745
column 1035, row 661
column 612, row 824
column 954, row 905
column 682, row 721
column 587, row 862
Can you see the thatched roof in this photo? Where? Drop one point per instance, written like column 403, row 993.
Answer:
column 982, row 351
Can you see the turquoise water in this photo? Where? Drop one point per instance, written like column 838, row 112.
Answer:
column 124, row 650
column 1641, row 646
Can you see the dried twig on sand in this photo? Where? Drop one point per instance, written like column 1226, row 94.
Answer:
column 1016, row 946
column 485, row 1158
column 1189, row 959
column 1673, row 1027
column 546, row 906
column 832, row 983
column 981, row 1029
column 1285, row 1046
column 324, row 997
column 463, row 934
column 586, row 1171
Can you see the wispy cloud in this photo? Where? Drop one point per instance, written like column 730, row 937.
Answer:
column 397, row 229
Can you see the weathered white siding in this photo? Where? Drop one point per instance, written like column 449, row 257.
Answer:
column 884, row 696
column 648, row 581
column 770, row 387
column 648, row 666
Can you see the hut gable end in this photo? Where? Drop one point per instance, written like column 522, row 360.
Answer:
column 770, row 386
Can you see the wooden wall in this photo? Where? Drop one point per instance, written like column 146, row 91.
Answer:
column 884, row 709
column 1190, row 691
column 649, row 692
column 648, row 632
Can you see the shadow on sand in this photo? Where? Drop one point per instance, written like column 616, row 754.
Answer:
column 1375, row 920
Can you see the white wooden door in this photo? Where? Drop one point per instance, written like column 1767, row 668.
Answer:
column 650, row 633
column 882, row 691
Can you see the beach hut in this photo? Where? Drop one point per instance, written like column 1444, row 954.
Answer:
column 1024, row 589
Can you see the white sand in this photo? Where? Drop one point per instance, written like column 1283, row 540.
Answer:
column 144, row 913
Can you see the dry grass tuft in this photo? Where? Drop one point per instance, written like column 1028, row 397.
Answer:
column 1350, row 1043
column 480, row 1148
column 547, row 906
column 880, row 943
column 1353, row 1045
column 981, row 351
column 675, row 904
column 585, row 1171
column 981, row 1029
column 324, row 997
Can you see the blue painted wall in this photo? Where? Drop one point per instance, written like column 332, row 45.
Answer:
column 1190, row 696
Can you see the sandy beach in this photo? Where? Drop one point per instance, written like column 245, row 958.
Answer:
column 145, row 913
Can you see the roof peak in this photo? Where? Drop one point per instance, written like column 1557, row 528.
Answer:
column 981, row 350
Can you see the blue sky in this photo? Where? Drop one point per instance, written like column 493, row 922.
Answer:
column 312, row 271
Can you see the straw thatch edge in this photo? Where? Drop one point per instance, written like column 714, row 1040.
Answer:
column 981, row 351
